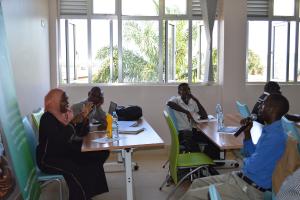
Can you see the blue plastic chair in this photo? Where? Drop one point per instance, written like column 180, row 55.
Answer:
column 42, row 177
column 243, row 109
column 290, row 128
column 36, row 118
column 172, row 116
column 213, row 193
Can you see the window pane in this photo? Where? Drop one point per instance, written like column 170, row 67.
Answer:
column 104, row 55
column 257, row 51
column 74, row 60
column 292, row 51
column 63, row 70
column 104, row 6
column 215, row 51
column 141, row 8
column 177, row 57
column 175, row 7
column 140, row 51
column 298, row 70
column 279, row 51
column 199, row 45
column 284, row 7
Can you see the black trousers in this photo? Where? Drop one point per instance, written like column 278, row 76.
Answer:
column 190, row 140
column 83, row 172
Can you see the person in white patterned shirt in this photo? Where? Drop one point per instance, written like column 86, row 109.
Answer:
column 290, row 188
column 184, row 106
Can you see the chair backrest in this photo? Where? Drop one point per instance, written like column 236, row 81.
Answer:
column 243, row 109
column 213, row 193
column 291, row 129
column 31, row 137
column 174, row 151
column 11, row 128
column 36, row 117
column 172, row 115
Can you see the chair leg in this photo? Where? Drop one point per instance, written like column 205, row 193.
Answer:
column 181, row 180
column 165, row 181
column 60, row 190
column 166, row 162
column 226, row 164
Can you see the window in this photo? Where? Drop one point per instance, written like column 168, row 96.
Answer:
column 177, row 51
column 104, row 51
column 177, row 7
column 140, row 8
column 279, row 49
column 257, row 51
column 103, row 7
column 199, row 47
column 284, row 7
column 272, row 52
column 133, row 41
column 140, row 51
column 74, row 57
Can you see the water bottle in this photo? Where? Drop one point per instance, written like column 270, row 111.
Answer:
column 115, row 125
column 220, row 117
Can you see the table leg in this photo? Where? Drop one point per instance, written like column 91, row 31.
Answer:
column 128, row 172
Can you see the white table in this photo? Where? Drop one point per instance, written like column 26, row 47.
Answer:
column 146, row 139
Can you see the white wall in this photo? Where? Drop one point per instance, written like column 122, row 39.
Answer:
column 28, row 44
column 29, row 49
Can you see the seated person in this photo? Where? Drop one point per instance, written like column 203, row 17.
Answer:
column 256, row 175
column 97, row 115
column 271, row 87
column 57, row 153
column 290, row 189
column 184, row 106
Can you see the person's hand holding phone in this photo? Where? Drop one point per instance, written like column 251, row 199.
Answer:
column 87, row 108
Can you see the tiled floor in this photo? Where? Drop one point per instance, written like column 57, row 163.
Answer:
column 147, row 179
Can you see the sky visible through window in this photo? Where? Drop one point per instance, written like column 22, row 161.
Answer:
column 258, row 44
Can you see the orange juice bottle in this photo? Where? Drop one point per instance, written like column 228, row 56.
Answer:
column 109, row 121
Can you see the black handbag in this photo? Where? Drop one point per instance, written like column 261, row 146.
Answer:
column 130, row 113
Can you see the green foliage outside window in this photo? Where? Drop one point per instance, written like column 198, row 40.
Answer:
column 142, row 66
column 255, row 66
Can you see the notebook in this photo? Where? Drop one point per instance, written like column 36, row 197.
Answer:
column 127, row 124
column 112, row 107
column 131, row 130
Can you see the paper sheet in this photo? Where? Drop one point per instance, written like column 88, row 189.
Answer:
column 229, row 130
column 105, row 140
column 210, row 119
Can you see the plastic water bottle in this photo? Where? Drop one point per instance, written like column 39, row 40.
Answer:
column 115, row 125
column 220, row 117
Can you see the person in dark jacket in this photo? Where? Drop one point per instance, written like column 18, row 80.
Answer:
column 58, row 153
column 270, row 87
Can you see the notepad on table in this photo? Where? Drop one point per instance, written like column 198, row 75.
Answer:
column 229, row 129
column 131, row 130
column 128, row 124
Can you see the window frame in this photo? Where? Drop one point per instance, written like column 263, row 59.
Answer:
column 270, row 19
column 161, row 18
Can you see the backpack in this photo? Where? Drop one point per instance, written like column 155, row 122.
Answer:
column 130, row 113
